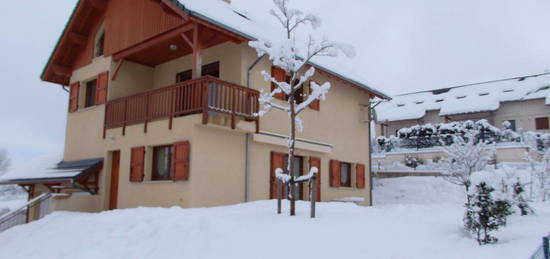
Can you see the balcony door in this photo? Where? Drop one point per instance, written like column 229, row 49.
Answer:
column 115, row 171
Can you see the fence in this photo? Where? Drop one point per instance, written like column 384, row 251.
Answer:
column 543, row 251
column 36, row 208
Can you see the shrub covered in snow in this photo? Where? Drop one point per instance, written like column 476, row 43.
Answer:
column 486, row 208
column 443, row 134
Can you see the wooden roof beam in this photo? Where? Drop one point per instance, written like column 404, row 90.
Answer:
column 98, row 4
column 62, row 70
column 152, row 42
column 78, row 39
column 169, row 6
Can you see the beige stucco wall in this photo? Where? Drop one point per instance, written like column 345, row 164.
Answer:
column 217, row 158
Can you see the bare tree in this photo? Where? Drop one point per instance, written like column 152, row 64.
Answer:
column 464, row 157
column 5, row 161
column 294, row 59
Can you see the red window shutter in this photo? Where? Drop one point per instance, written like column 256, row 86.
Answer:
column 180, row 161
column 315, row 105
column 101, row 88
column 137, row 164
column 541, row 123
column 360, row 176
column 73, row 99
column 277, row 161
column 280, row 76
column 316, row 162
column 334, row 173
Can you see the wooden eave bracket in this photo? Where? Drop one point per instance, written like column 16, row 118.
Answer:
column 117, row 68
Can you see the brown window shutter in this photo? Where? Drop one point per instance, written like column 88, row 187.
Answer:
column 360, row 176
column 280, row 76
column 180, row 161
column 316, row 162
column 315, row 105
column 334, row 173
column 277, row 161
column 541, row 123
column 73, row 99
column 137, row 164
column 101, row 88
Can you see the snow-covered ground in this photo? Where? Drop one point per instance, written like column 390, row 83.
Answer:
column 413, row 229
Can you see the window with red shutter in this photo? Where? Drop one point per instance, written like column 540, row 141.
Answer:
column 316, row 162
column 102, row 86
column 279, row 75
column 542, row 123
column 277, row 161
column 73, row 98
column 315, row 105
column 137, row 164
column 180, row 161
column 360, row 176
column 334, row 173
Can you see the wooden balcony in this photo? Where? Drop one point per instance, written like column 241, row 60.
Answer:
column 205, row 95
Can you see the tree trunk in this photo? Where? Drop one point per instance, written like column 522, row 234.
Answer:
column 291, row 155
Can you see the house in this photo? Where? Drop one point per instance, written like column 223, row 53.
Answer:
column 522, row 101
column 162, row 103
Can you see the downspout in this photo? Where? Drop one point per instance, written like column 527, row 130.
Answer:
column 248, row 136
column 370, row 116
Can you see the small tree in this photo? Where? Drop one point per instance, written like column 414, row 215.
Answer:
column 519, row 199
column 541, row 172
column 485, row 212
column 5, row 162
column 293, row 58
column 464, row 157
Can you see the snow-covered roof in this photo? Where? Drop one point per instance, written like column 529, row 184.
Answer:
column 63, row 171
column 255, row 26
column 480, row 97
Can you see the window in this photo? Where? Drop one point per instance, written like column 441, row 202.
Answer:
column 299, row 169
column 212, row 69
column 509, row 124
column 483, row 94
column 90, row 93
column 345, row 174
column 162, row 163
column 439, row 100
column 541, row 123
column 100, row 44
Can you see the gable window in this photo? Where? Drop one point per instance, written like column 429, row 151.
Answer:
column 100, row 44
column 162, row 163
column 345, row 174
column 541, row 123
column 212, row 69
column 90, row 93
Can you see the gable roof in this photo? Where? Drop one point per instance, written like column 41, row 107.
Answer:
column 478, row 97
column 221, row 14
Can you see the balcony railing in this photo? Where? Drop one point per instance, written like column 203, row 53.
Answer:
column 202, row 95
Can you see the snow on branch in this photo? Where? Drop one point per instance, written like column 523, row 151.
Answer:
column 304, row 178
column 285, row 178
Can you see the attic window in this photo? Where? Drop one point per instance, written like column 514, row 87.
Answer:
column 483, row 94
column 543, row 88
column 400, row 104
column 241, row 15
column 508, row 91
column 461, row 97
column 99, row 44
column 439, row 100
column 419, row 102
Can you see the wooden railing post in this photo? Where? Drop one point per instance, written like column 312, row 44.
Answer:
column 125, row 117
column 146, row 113
column 173, row 97
column 233, row 106
column 205, row 85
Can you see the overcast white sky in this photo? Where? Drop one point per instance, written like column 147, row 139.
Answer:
column 402, row 46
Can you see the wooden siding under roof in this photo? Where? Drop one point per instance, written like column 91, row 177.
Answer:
column 124, row 27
